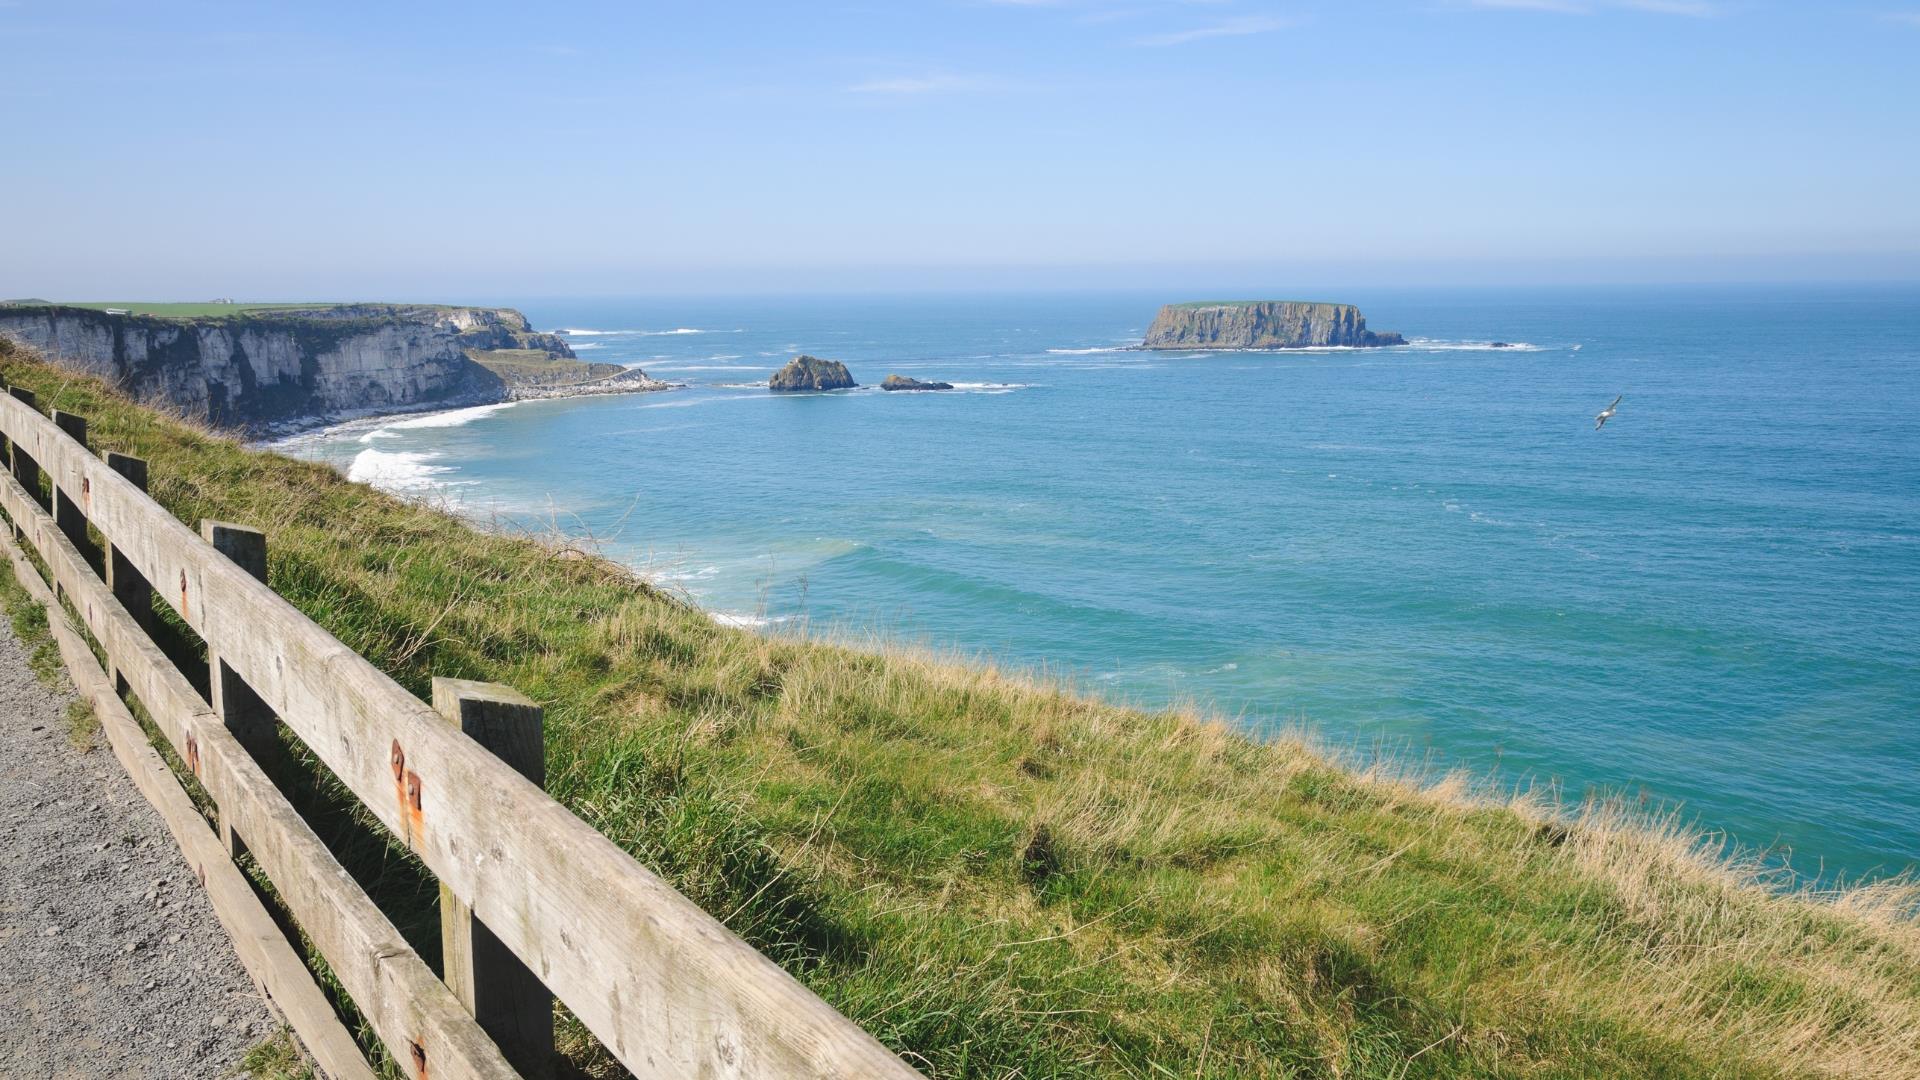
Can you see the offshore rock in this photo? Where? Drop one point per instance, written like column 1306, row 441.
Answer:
column 1263, row 324
column 901, row 382
column 812, row 373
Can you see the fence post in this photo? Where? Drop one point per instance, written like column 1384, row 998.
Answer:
column 25, row 469
column 68, row 513
column 244, row 714
column 509, row 1001
column 128, row 585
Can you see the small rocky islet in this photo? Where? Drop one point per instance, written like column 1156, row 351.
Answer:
column 805, row 373
column 901, row 382
column 810, row 373
column 1263, row 324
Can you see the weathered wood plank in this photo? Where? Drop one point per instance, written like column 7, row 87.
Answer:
column 129, row 586
column 276, row 970
column 233, row 701
column 663, row 984
column 411, row 1010
column 25, row 468
column 510, row 1001
column 66, row 509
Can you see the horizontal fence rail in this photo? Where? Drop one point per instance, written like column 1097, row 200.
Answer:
column 665, row 986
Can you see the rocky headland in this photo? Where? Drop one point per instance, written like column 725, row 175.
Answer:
column 272, row 368
column 811, row 373
column 1263, row 324
column 623, row 380
column 901, row 382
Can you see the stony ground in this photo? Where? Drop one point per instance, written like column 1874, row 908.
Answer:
column 111, row 961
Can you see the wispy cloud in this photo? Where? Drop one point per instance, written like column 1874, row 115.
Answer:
column 934, row 83
column 1564, row 7
column 1904, row 18
column 1698, row 9
column 1241, row 26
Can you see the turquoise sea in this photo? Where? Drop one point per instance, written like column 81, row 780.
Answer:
column 1714, row 603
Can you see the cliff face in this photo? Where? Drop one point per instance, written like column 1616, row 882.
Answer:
column 476, row 327
column 1263, row 324
column 255, row 368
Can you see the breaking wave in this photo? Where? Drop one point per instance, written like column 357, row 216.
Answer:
column 400, row 471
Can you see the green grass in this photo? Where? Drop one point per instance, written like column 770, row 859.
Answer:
column 536, row 364
column 83, row 727
column 275, row 1058
column 186, row 311
column 999, row 878
column 28, row 618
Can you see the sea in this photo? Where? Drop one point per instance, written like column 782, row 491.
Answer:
column 1709, row 608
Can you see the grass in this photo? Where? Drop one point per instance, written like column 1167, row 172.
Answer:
column 516, row 365
column 999, row 878
column 83, row 727
column 276, row 1057
column 28, row 617
column 186, row 311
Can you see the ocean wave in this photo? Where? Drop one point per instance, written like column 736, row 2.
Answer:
column 989, row 387
column 585, row 345
column 451, row 418
column 572, row 331
column 1436, row 345
column 1084, row 352
column 400, row 471
column 747, row 622
column 708, row 367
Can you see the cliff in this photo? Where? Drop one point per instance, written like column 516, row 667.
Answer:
column 259, row 366
column 1263, row 324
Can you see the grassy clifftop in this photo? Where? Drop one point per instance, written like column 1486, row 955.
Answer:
column 1001, row 879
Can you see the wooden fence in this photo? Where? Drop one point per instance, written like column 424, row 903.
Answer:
column 535, row 904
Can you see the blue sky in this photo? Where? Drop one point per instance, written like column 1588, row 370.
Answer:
column 277, row 150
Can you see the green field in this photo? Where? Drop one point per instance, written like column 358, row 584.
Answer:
column 520, row 365
column 1001, row 879
column 178, row 311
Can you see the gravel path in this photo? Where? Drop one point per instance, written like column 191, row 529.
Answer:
column 111, row 961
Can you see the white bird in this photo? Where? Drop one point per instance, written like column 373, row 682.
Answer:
column 1606, row 414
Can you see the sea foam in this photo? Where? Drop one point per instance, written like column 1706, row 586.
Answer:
column 399, row 471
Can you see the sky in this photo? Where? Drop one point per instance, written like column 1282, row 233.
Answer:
column 344, row 150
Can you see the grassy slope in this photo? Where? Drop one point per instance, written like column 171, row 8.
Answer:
column 1000, row 879
column 516, row 364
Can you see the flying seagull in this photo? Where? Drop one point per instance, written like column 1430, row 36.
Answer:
column 1607, row 414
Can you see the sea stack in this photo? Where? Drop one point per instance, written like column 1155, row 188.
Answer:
column 812, row 373
column 1263, row 324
